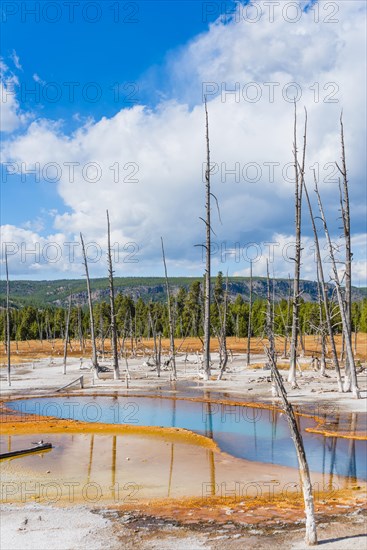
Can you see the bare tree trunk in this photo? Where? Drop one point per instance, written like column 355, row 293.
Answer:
column 321, row 327
column 249, row 327
column 54, row 333
column 101, row 330
column 223, row 333
column 16, row 337
column 297, row 259
column 80, row 330
column 132, row 352
column 3, row 314
column 159, row 351
column 149, row 327
column 224, row 329
column 46, row 327
column 302, row 340
column 115, row 359
column 66, row 336
column 206, row 351
column 348, row 253
column 7, row 317
column 348, row 343
column 324, row 292
column 269, row 317
column 323, row 355
column 92, row 332
column 39, row 325
column 170, row 320
column 121, row 339
column 342, row 350
column 270, row 332
column 156, row 348
column 135, row 336
column 286, row 328
column 311, row 534
column 127, row 372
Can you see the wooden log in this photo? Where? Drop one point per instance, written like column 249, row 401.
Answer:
column 36, row 449
column 80, row 379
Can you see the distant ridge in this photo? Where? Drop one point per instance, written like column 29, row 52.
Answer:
column 55, row 293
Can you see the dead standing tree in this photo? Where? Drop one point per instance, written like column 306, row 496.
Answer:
column 172, row 358
column 66, row 336
column 115, row 359
column 157, row 342
column 7, row 317
column 249, row 327
column 345, row 211
column 285, row 319
column 279, row 390
column 95, row 365
column 311, row 534
column 321, row 328
column 324, row 293
column 102, row 336
column 342, row 309
column 269, row 329
column 80, row 329
column 222, row 336
column 297, row 260
column 206, row 351
column 40, row 329
column 207, row 246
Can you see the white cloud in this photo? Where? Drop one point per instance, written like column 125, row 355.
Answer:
column 279, row 252
column 16, row 61
column 38, row 79
column 11, row 116
column 166, row 146
column 34, row 225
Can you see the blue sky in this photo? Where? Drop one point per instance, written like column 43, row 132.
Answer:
column 106, row 52
column 149, row 64
column 116, row 52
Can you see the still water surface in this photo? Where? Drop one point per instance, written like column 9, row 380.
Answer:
column 244, row 432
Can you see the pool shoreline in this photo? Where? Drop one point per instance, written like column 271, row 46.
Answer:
column 189, row 511
column 319, row 427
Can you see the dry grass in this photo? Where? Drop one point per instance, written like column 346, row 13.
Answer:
column 34, row 349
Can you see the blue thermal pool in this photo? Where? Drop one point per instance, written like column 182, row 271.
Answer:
column 254, row 434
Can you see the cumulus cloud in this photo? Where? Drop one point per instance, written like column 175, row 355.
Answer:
column 146, row 164
column 280, row 251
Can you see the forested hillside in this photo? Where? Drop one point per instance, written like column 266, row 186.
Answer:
column 56, row 293
column 141, row 309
